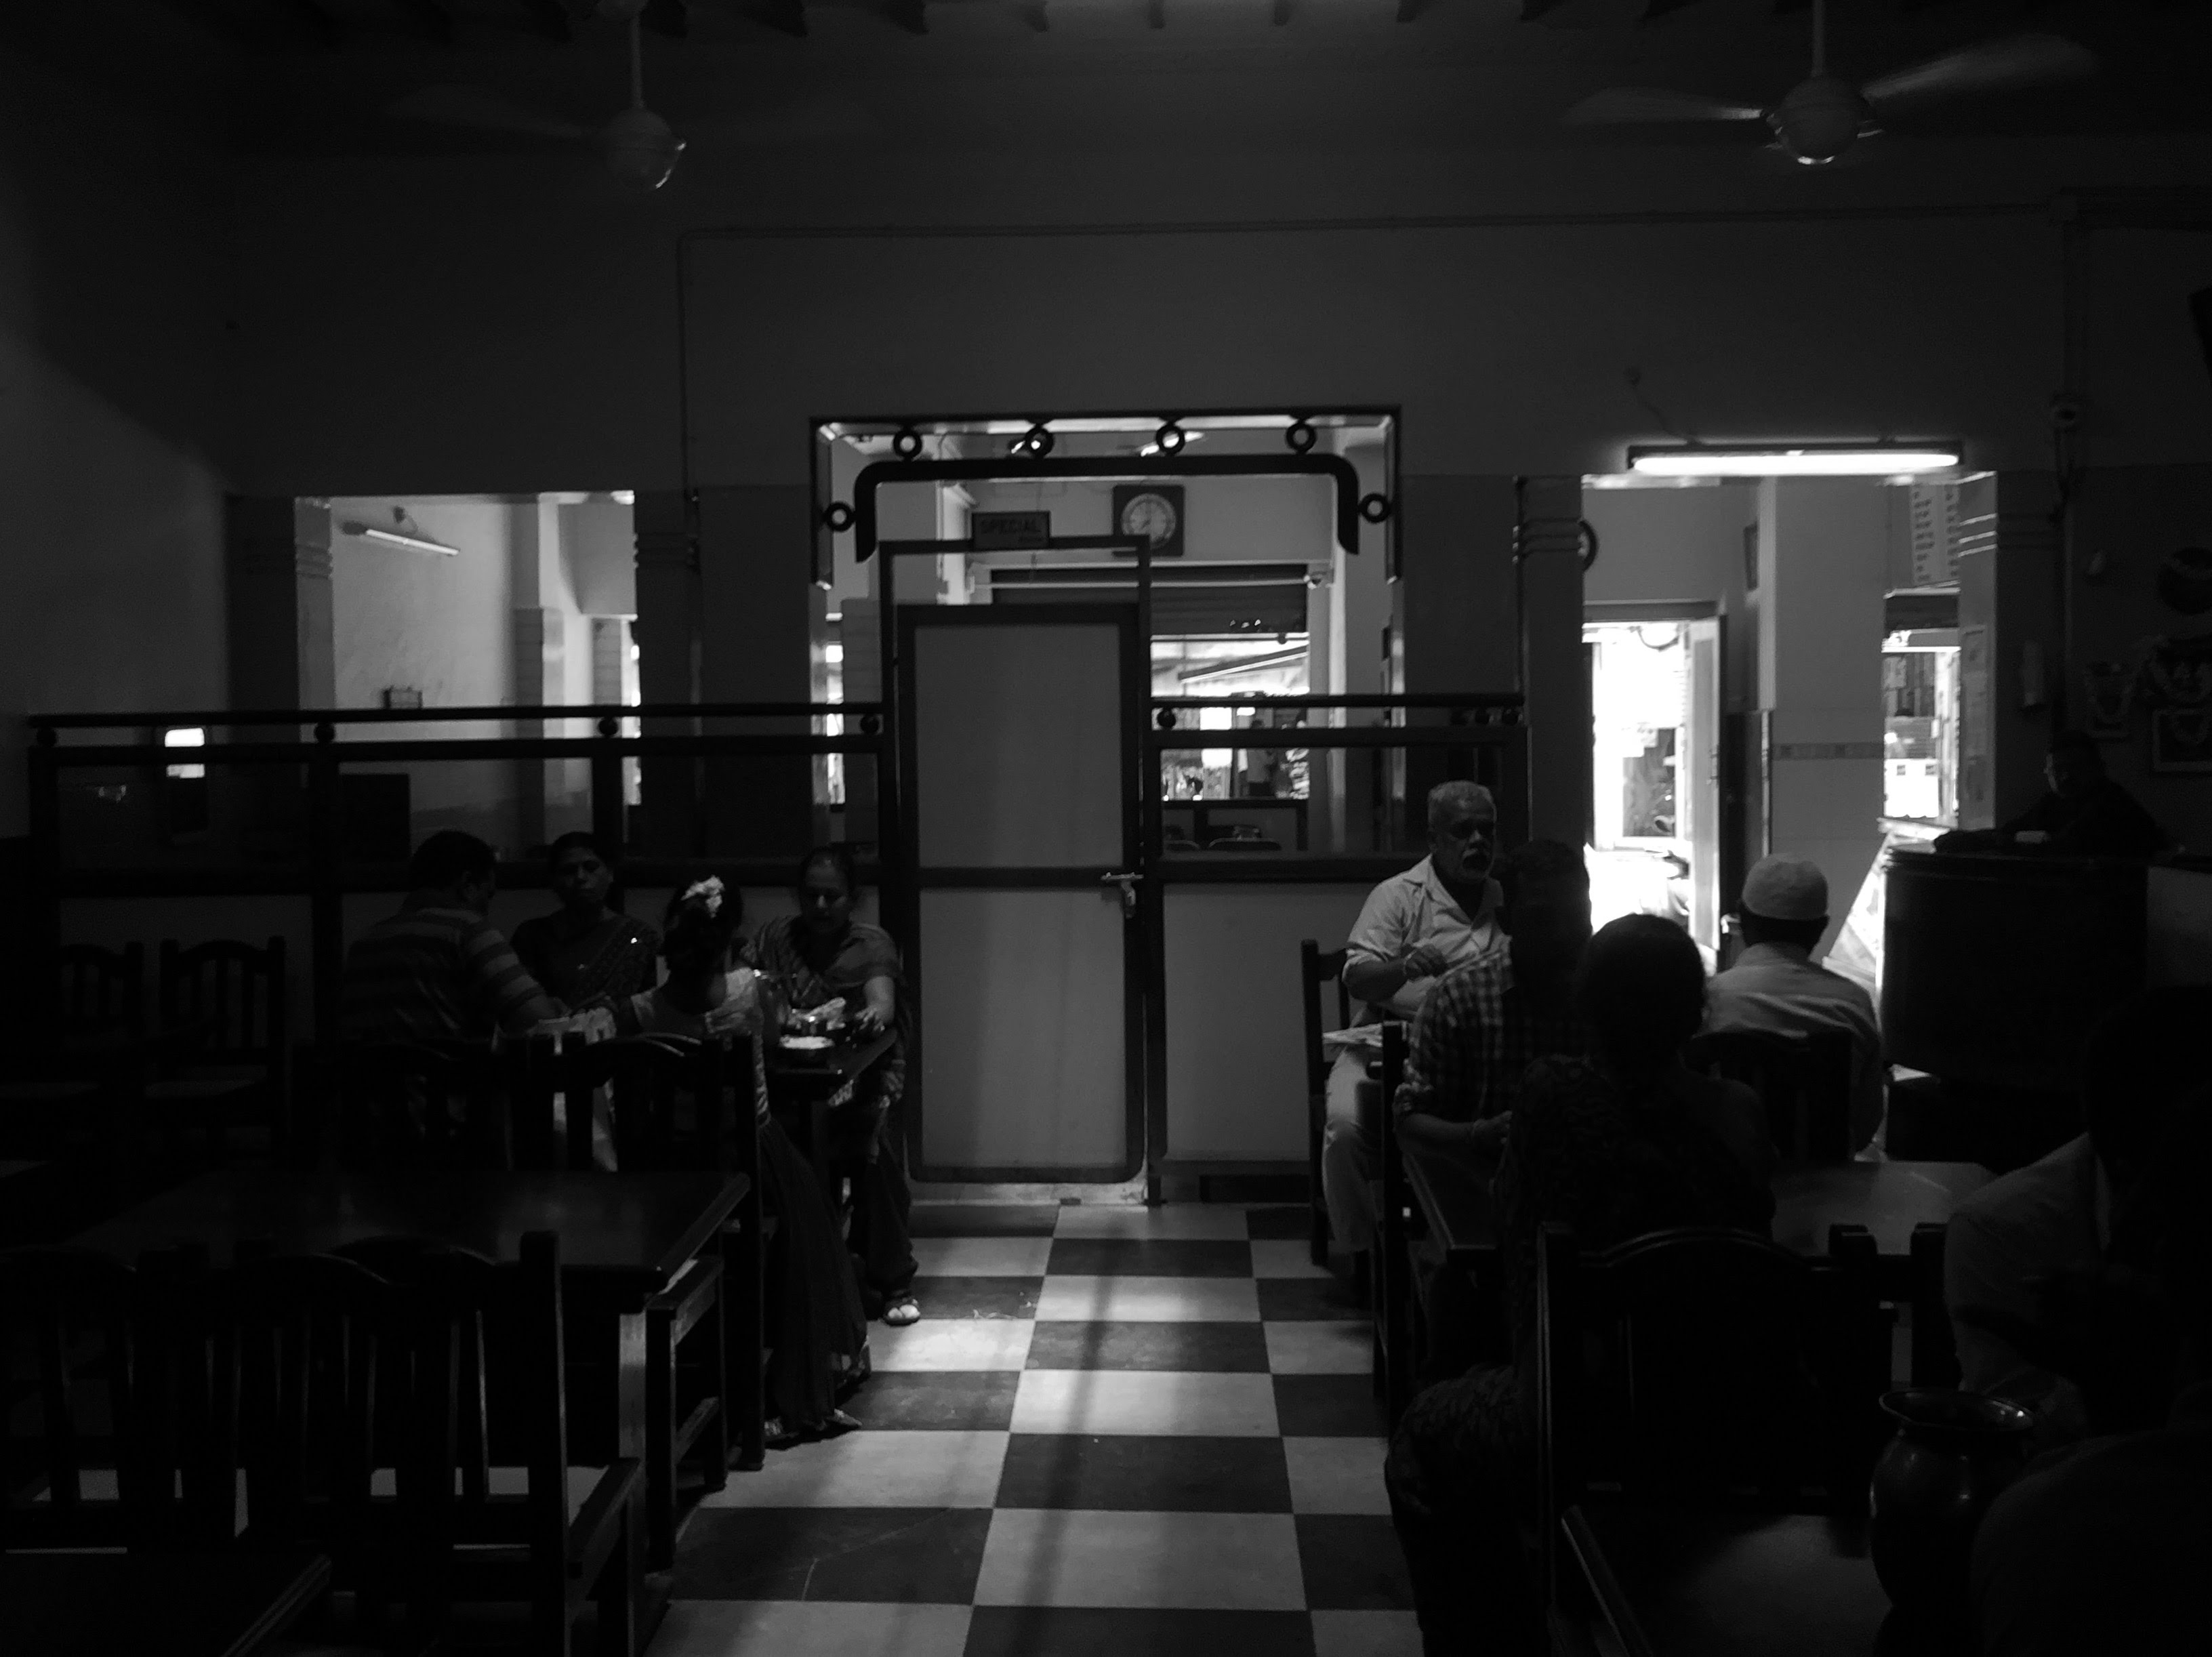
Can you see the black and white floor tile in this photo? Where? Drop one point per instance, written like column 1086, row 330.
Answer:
column 1114, row 1431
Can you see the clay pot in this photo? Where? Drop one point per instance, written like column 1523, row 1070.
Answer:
column 1953, row 1453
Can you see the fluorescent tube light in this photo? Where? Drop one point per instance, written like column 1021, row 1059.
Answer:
column 394, row 538
column 1794, row 459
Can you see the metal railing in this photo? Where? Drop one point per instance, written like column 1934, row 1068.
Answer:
column 676, row 739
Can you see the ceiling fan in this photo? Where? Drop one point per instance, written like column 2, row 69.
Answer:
column 1822, row 116
column 637, row 145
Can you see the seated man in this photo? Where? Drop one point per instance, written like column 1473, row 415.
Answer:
column 1616, row 1145
column 1414, row 927
column 1483, row 1022
column 438, row 970
column 2026, row 1255
column 1774, row 985
column 2101, row 1546
column 2085, row 814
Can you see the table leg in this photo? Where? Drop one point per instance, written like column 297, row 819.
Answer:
column 742, row 1332
column 629, row 1385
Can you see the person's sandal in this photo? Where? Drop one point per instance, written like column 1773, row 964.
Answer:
column 903, row 1310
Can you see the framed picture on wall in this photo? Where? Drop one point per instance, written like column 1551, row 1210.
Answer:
column 2181, row 740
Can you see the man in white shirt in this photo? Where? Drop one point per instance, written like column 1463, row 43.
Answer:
column 1774, row 985
column 1414, row 927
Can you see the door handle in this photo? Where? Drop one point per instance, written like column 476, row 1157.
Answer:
column 1127, row 879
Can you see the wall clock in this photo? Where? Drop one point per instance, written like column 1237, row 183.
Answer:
column 1153, row 511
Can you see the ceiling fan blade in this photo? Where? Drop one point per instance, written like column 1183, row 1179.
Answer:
column 1622, row 106
column 448, row 105
column 2018, row 61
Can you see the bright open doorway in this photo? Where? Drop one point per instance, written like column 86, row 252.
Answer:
column 1655, row 785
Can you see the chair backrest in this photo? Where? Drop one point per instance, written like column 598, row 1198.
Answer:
column 230, row 995
column 411, row 1104
column 117, row 1440
column 1316, row 969
column 678, row 1102
column 103, row 991
column 1803, row 1077
column 1704, row 1365
column 476, row 1350
column 316, row 1341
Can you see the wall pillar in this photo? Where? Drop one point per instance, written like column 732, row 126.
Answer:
column 1823, row 569
column 760, row 615
column 277, row 553
column 1555, row 669
column 1452, row 622
column 282, row 655
column 668, row 644
column 2008, row 642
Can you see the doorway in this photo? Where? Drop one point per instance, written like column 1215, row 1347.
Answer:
column 1023, row 825
column 972, row 567
column 1654, row 783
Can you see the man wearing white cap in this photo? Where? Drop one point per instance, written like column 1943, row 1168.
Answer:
column 1774, row 985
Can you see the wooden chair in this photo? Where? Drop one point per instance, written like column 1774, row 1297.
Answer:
column 1935, row 1351
column 1732, row 1372
column 1804, row 1078
column 475, row 1380
column 68, row 1069
column 1317, row 970
column 684, row 1104
column 226, row 1046
column 103, row 991
column 317, row 1338
column 117, row 1441
column 1392, row 1265
column 415, row 1104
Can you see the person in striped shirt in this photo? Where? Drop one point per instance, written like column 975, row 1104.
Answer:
column 438, row 970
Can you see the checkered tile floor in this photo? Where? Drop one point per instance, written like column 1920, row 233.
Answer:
column 1114, row 1431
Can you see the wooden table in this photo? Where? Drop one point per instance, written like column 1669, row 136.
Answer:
column 1887, row 1198
column 1716, row 1584
column 818, row 1081
column 624, row 1237
column 97, row 1605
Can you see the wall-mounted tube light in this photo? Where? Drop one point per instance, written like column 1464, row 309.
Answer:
column 394, row 538
column 1883, row 460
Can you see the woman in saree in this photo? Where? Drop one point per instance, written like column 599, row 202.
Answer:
column 816, row 1332
column 822, row 955
column 585, row 952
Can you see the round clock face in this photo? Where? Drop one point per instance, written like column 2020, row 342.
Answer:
column 1152, row 516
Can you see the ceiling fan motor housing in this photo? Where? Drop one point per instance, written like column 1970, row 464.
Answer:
column 1819, row 119
column 641, row 148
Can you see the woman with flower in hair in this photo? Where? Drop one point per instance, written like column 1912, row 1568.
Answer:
column 817, row 1332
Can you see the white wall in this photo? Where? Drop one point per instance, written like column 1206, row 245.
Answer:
column 1668, row 545
column 1236, row 1017
column 418, row 620
column 1824, row 563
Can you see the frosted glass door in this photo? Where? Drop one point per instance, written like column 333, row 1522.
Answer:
column 1020, row 766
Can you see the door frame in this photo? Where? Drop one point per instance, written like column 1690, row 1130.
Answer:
column 1140, row 1019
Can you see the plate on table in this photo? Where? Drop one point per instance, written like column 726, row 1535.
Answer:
column 808, row 1043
